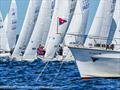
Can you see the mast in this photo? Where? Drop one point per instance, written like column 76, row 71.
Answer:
column 28, row 26
column 3, row 38
column 12, row 24
column 101, row 24
column 78, row 23
column 62, row 15
column 42, row 26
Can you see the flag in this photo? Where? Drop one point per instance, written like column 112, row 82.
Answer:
column 61, row 21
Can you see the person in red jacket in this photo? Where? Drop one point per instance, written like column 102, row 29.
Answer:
column 40, row 50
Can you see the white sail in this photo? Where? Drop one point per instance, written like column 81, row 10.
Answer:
column 116, row 26
column 101, row 23
column 28, row 26
column 6, row 23
column 78, row 23
column 11, row 25
column 45, row 34
column 42, row 26
column 64, row 10
column 3, row 38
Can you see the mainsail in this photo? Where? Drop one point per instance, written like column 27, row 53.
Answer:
column 3, row 38
column 101, row 24
column 28, row 26
column 115, row 28
column 11, row 18
column 78, row 23
column 45, row 34
column 42, row 26
column 63, row 12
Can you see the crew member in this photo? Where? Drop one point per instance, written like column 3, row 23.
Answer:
column 60, row 51
column 40, row 50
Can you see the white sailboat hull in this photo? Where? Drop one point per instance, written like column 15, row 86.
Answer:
column 97, row 63
column 58, row 59
column 4, row 55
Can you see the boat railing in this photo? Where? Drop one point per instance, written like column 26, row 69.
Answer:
column 98, row 42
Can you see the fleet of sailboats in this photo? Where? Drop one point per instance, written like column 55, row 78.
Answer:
column 58, row 28
column 42, row 26
column 27, row 29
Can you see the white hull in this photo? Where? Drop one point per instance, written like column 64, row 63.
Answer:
column 4, row 55
column 58, row 58
column 97, row 63
column 20, row 58
column 66, row 54
column 31, row 59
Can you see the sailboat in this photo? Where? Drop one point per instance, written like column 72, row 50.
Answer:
column 95, row 58
column 114, row 34
column 4, row 46
column 27, row 29
column 77, row 27
column 40, row 31
column 11, row 20
column 62, row 15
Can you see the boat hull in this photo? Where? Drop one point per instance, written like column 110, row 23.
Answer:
column 97, row 63
column 4, row 55
column 58, row 58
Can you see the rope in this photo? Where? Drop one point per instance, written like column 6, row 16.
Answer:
column 42, row 71
column 59, row 68
column 58, row 72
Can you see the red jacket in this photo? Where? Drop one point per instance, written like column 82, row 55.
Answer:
column 40, row 51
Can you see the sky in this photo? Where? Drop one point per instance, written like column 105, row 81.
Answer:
column 22, row 8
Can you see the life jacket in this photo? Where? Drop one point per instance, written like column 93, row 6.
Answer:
column 40, row 51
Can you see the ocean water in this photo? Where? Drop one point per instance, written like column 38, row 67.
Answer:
column 23, row 75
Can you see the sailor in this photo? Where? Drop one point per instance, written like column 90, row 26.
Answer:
column 22, row 50
column 11, row 51
column 60, row 51
column 40, row 50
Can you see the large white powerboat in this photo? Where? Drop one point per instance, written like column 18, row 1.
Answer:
column 97, row 58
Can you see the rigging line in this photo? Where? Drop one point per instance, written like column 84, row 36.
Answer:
column 59, row 68
column 42, row 71
column 57, row 72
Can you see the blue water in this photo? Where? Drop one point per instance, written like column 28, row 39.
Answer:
column 22, row 75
